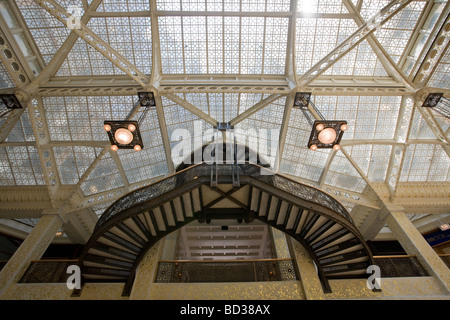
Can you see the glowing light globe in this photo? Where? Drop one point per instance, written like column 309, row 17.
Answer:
column 123, row 136
column 327, row 135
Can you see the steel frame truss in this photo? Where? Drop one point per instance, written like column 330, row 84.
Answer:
column 169, row 86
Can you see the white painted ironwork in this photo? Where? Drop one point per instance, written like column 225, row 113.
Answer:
column 224, row 61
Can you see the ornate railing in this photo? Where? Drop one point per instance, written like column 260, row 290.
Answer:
column 170, row 271
column 55, row 271
column 399, row 266
column 202, row 173
column 48, row 271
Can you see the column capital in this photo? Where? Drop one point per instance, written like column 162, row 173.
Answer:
column 62, row 213
column 32, row 248
column 415, row 244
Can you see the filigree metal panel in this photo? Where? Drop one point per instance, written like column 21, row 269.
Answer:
column 400, row 267
column 47, row 272
column 226, row 271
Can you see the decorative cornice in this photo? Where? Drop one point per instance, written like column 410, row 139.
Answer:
column 417, row 197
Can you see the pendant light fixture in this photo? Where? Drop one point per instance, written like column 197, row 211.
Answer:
column 125, row 134
column 325, row 133
column 438, row 103
column 8, row 102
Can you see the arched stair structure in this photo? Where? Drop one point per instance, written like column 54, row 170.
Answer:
column 137, row 221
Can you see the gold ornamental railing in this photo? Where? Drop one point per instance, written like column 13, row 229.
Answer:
column 191, row 271
column 55, row 271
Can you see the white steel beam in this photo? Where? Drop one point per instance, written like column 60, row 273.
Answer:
column 118, row 163
column 164, row 135
column 419, row 197
column 12, row 58
column 58, row 59
column 9, row 39
column 104, row 144
column 391, row 142
column 53, row 144
column 95, row 41
column 10, row 122
column 156, row 48
column 15, row 11
column 266, row 14
column 225, row 83
column 42, row 136
column 155, row 84
column 358, row 36
column 327, row 87
column 190, row 107
column 290, row 67
column 32, row 198
column 283, row 130
column 426, row 13
column 357, row 168
column 122, row 85
column 435, row 50
column 398, row 152
column 325, row 170
column 247, row 113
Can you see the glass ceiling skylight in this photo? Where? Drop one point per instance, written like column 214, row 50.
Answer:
column 20, row 166
column 395, row 34
column 316, row 37
column 48, row 33
column 201, row 42
column 81, row 118
column 224, row 45
column 225, row 5
column 124, row 6
column 368, row 117
column 425, row 162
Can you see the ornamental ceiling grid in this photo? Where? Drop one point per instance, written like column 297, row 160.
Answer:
column 73, row 161
column 227, row 45
column 425, row 163
column 104, row 176
column 361, row 113
column 48, row 33
column 20, row 166
column 5, row 79
column 22, row 131
column 395, row 34
column 343, row 175
column 124, row 5
column 262, row 129
column 372, row 159
column 316, row 37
